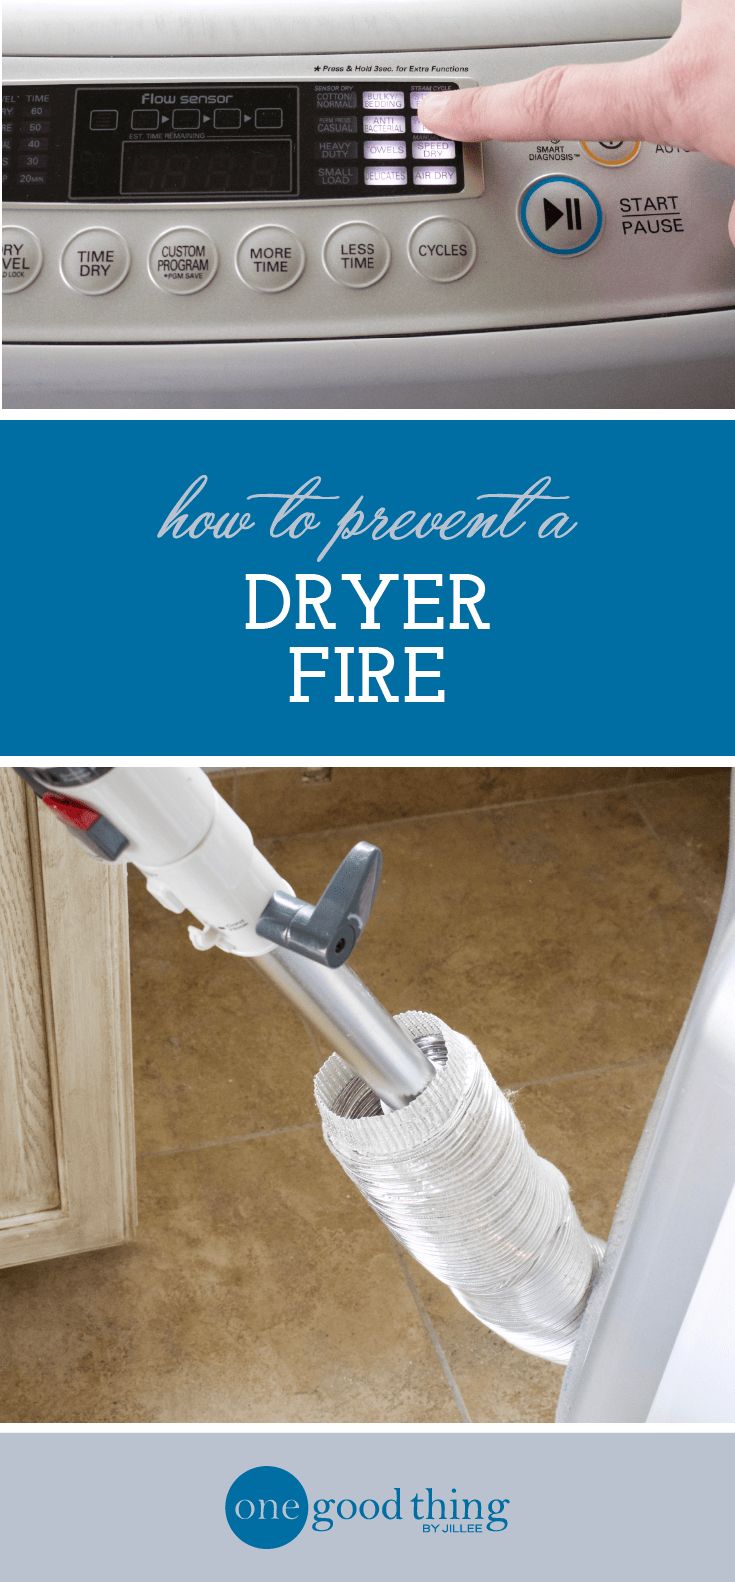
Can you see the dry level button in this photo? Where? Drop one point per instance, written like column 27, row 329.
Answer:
column 356, row 254
column 95, row 261
column 22, row 257
column 270, row 258
column 183, row 261
column 442, row 249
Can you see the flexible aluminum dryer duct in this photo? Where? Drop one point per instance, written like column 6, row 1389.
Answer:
column 453, row 1177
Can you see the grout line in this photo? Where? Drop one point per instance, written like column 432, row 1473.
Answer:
column 433, row 1337
column 622, row 789
column 579, row 1076
column 228, row 1142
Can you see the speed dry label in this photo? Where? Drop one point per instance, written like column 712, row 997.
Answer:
column 652, row 216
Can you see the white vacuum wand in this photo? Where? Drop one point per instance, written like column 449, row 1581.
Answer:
column 408, row 1107
column 198, row 856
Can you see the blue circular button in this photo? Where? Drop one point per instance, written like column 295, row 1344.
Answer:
column 266, row 1507
column 561, row 215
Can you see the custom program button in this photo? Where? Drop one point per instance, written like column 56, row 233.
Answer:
column 270, row 258
column 617, row 151
column 183, row 261
column 356, row 254
column 22, row 257
column 442, row 249
column 560, row 215
column 95, row 261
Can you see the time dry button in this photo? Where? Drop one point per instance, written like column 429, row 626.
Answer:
column 270, row 258
column 22, row 257
column 442, row 249
column 95, row 261
column 183, row 260
column 356, row 254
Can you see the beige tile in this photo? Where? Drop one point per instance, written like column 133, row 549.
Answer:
column 261, row 1289
column 297, row 801
column 589, row 1127
column 217, row 1052
column 690, row 818
column 556, row 934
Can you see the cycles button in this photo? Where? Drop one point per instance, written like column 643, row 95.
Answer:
column 356, row 254
column 22, row 257
column 560, row 215
column 183, row 260
column 95, row 261
column 270, row 258
column 442, row 249
column 617, row 151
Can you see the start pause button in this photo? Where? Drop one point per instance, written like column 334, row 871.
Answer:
column 560, row 215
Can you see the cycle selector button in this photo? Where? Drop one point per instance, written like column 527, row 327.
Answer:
column 183, row 260
column 356, row 254
column 561, row 215
column 95, row 261
column 616, row 152
column 22, row 258
column 270, row 258
column 442, row 249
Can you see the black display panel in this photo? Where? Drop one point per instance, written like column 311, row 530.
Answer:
column 231, row 142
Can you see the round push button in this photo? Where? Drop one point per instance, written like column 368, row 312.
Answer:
column 95, row 261
column 356, row 254
column 617, row 151
column 183, row 261
column 442, row 249
column 22, row 257
column 560, row 215
column 270, row 258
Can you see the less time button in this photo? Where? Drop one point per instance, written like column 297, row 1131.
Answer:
column 356, row 254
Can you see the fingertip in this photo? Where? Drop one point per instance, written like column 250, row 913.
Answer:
column 432, row 109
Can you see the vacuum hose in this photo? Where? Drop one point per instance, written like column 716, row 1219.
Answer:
column 455, row 1180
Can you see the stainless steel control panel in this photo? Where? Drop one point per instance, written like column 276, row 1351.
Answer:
column 126, row 231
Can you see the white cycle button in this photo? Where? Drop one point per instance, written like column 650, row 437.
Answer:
column 270, row 258
column 617, row 151
column 442, row 249
column 183, row 260
column 22, row 257
column 560, row 215
column 95, row 261
column 356, row 254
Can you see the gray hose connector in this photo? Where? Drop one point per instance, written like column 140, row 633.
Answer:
column 454, row 1179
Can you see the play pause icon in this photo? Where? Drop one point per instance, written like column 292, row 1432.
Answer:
column 572, row 211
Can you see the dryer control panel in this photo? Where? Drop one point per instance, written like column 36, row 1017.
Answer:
column 302, row 199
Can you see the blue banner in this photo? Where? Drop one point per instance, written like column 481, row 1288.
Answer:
column 362, row 587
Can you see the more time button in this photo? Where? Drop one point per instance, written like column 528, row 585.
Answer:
column 560, row 215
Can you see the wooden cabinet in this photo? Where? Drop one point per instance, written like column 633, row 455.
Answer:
column 67, row 1152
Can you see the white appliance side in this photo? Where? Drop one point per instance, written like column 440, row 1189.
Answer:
column 253, row 27
column 699, row 1381
column 642, row 1351
column 681, row 361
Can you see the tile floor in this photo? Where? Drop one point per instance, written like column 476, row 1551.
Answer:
column 564, row 935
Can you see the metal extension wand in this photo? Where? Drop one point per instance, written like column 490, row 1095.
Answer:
column 198, row 855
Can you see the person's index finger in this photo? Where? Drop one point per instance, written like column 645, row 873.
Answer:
column 564, row 101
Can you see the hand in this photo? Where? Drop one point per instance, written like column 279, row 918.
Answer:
column 684, row 93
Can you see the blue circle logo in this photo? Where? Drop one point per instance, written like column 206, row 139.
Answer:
column 266, row 1507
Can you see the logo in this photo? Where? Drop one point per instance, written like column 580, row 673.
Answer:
column 266, row 1507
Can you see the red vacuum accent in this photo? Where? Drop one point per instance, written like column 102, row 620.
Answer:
column 72, row 812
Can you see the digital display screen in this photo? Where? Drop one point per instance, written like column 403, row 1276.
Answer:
column 226, row 166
